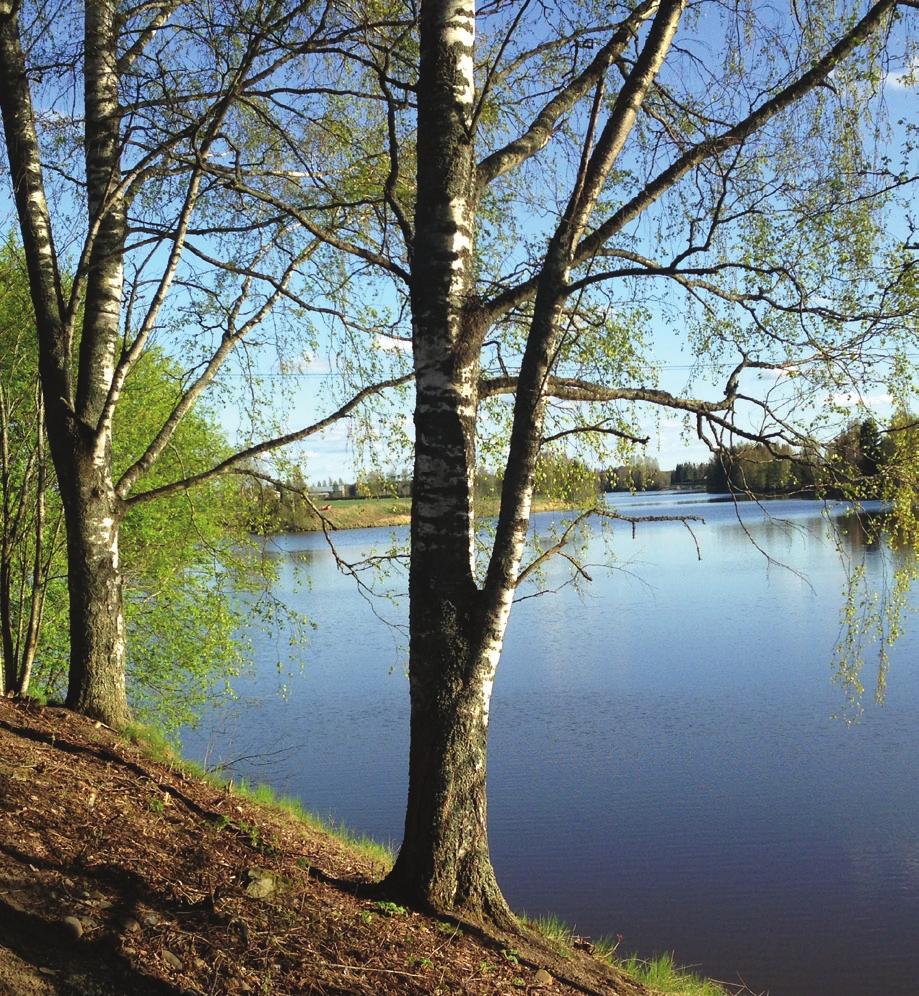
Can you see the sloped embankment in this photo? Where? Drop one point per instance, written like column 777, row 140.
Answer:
column 120, row 875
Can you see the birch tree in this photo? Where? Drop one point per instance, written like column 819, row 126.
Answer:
column 553, row 183
column 110, row 111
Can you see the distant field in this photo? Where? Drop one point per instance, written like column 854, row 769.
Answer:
column 365, row 513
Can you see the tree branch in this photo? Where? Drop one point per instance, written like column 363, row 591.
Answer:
column 231, row 463
column 541, row 129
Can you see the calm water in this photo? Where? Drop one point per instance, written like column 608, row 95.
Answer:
column 664, row 759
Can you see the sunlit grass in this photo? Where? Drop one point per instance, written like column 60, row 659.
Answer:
column 659, row 974
column 265, row 795
column 663, row 976
column 553, row 929
column 158, row 748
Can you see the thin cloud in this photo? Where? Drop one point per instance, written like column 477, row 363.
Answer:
column 905, row 78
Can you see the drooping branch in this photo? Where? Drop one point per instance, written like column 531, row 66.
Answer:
column 600, row 428
column 231, row 339
column 741, row 131
column 604, row 512
column 233, row 462
column 590, row 245
column 234, row 182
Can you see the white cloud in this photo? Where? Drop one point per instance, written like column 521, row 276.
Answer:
column 879, row 400
column 307, row 363
column 390, row 345
column 905, row 78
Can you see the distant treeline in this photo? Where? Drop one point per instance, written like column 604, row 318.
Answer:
column 862, row 461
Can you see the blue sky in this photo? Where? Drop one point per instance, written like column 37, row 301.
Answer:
column 296, row 392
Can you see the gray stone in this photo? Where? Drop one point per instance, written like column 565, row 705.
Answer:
column 74, row 927
column 261, row 884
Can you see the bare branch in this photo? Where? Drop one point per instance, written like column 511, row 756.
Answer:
column 541, row 129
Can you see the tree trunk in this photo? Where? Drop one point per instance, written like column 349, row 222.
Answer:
column 92, row 513
column 7, row 647
column 444, row 861
column 79, row 427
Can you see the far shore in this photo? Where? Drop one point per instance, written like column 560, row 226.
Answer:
column 375, row 513
column 371, row 513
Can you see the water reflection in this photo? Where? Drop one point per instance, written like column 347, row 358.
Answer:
column 664, row 762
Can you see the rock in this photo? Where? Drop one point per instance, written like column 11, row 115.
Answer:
column 261, row 884
column 73, row 927
column 543, row 978
column 171, row 959
column 129, row 925
column 152, row 919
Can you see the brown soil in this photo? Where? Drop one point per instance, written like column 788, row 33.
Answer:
column 160, row 875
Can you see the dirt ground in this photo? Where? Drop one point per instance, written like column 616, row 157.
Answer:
column 120, row 876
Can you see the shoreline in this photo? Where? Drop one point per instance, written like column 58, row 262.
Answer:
column 134, row 871
column 383, row 513
column 392, row 512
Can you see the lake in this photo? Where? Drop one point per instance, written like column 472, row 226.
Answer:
column 664, row 760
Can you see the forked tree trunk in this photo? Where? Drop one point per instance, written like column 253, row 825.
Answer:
column 444, row 861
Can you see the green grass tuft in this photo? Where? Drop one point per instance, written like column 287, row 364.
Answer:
column 152, row 743
column 554, row 930
column 365, row 846
column 661, row 975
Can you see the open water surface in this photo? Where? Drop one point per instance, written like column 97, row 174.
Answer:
column 664, row 764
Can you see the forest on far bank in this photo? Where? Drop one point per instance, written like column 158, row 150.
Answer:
column 866, row 455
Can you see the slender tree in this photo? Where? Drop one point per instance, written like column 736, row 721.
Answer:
column 29, row 529
column 160, row 88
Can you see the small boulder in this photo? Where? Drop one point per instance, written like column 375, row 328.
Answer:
column 261, row 883
column 172, row 959
column 74, row 927
column 543, row 978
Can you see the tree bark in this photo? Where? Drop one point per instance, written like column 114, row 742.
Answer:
column 96, row 682
column 444, row 862
column 79, row 432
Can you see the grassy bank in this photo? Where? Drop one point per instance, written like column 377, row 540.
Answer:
column 125, row 869
column 367, row 513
